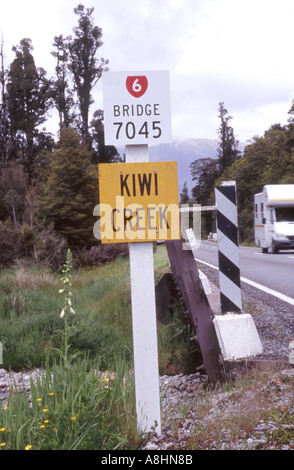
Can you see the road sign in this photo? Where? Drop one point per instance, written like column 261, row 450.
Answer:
column 138, row 202
column 136, row 108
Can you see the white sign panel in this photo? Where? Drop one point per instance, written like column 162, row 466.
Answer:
column 136, row 108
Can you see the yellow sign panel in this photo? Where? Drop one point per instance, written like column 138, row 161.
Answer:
column 139, row 202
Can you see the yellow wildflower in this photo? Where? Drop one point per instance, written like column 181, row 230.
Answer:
column 45, row 410
column 2, row 429
column 28, row 447
column 42, row 426
column 3, row 444
column 39, row 400
column 46, row 421
column 73, row 418
column 51, row 394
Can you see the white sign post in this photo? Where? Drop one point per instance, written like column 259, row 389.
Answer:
column 144, row 322
column 137, row 113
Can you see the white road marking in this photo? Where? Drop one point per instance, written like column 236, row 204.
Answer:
column 265, row 289
column 207, row 264
column 277, row 294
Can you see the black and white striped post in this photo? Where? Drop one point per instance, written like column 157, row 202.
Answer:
column 228, row 247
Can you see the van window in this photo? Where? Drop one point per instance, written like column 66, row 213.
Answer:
column 261, row 210
column 285, row 214
column 256, row 211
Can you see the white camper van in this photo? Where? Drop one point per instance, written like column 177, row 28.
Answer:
column 274, row 217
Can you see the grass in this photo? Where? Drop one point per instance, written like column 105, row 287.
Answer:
column 72, row 408
column 85, row 412
column 30, row 307
column 85, row 398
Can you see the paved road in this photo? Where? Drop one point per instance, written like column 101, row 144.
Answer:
column 272, row 271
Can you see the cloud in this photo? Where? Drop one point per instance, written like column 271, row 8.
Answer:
column 239, row 52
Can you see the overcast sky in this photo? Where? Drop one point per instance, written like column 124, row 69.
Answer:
column 236, row 51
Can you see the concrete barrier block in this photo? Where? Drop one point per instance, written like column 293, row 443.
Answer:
column 237, row 335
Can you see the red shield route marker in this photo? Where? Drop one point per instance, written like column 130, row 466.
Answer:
column 137, row 85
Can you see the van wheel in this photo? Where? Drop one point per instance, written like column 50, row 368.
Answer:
column 274, row 248
column 264, row 250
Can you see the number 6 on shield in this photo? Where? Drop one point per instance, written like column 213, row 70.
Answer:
column 137, row 85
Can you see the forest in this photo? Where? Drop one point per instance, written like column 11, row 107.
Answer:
column 49, row 185
column 267, row 159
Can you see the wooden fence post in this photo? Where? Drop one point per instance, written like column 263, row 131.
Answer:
column 185, row 270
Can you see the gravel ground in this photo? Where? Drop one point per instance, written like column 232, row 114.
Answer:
column 274, row 319
column 250, row 418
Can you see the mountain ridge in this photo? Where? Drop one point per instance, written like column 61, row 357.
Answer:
column 184, row 152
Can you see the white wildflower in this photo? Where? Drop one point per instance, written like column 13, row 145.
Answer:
column 62, row 313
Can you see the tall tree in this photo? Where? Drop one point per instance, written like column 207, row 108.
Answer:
column 12, row 194
column 291, row 112
column 204, row 172
column 184, row 196
column 101, row 153
column 85, row 67
column 71, row 192
column 290, row 129
column 61, row 92
column 28, row 103
column 4, row 121
column 228, row 151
